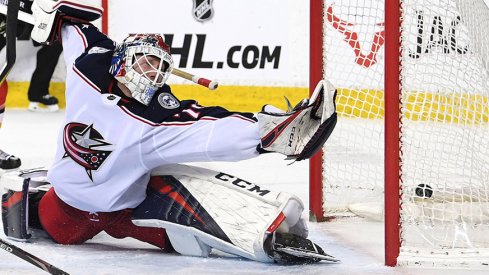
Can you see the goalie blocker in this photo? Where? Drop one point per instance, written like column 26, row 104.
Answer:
column 200, row 209
column 49, row 15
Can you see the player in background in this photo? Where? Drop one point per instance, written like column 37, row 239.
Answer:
column 38, row 93
column 9, row 161
column 46, row 59
column 123, row 123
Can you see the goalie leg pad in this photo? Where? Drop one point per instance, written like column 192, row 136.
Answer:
column 21, row 192
column 14, row 213
column 216, row 210
column 294, row 222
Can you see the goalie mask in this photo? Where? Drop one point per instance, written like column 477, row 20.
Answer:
column 142, row 62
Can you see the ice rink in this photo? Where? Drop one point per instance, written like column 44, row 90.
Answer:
column 358, row 244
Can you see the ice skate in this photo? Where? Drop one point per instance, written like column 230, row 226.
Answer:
column 299, row 133
column 8, row 161
column 286, row 248
column 47, row 103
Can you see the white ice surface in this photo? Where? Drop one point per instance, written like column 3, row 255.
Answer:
column 359, row 244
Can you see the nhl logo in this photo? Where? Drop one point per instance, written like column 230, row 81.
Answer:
column 202, row 10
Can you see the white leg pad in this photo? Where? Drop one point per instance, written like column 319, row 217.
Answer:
column 192, row 242
column 294, row 222
column 244, row 212
column 186, row 243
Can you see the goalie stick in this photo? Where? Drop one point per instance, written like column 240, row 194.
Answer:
column 29, row 257
column 29, row 19
column 212, row 85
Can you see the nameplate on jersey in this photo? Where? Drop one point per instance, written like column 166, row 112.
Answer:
column 96, row 50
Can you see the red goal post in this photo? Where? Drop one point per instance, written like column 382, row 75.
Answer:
column 392, row 88
column 316, row 212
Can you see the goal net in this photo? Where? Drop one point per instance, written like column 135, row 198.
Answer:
column 443, row 123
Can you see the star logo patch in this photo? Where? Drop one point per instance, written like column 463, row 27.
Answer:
column 81, row 143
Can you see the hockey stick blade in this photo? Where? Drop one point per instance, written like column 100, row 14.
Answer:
column 26, row 256
column 302, row 253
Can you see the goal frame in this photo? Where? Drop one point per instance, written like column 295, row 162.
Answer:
column 392, row 92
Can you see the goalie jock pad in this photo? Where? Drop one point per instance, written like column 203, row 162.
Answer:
column 202, row 209
column 21, row 193
column 49, row 15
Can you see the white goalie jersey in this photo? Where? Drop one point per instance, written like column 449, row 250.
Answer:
column 106, row 134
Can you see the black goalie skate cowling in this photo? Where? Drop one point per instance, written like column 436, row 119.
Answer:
column 286, row 248
column 8, row 161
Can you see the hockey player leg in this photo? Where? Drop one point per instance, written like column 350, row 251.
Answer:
column 299, row 133
column 124, row 228
column 7, row 161
column 38, row 92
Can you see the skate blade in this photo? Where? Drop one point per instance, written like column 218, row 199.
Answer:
column 41, row 108
column 307, row 254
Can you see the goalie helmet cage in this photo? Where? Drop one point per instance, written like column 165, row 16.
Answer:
column 411, row 145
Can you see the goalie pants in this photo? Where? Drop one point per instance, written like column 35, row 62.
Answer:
column 68, row 225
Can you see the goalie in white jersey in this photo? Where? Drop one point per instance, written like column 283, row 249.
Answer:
column 123, row 124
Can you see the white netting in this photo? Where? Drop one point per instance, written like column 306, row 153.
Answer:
column 353, row 163
column 445, row 114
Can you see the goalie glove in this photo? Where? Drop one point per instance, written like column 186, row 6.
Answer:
column 301, row 132
column 49, row 15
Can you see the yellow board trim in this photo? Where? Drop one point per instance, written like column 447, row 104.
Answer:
column 17, row 94
column 448, row 107
column 235, row 98
column 351, row 103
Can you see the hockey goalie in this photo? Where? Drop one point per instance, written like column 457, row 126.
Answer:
column 118, row 164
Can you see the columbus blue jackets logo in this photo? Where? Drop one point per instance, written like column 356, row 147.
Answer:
column 168, row 101
column 202, row 10
column 81, row 143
